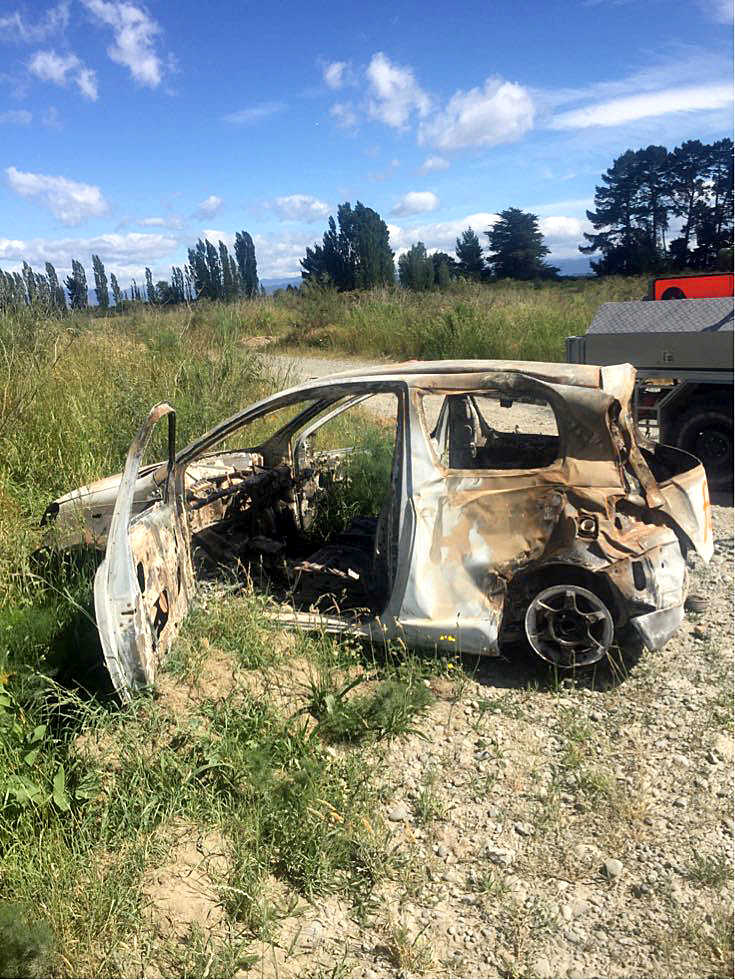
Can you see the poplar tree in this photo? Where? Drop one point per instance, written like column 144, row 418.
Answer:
column 116, row 292
column 58, row 299
column 150, row 289
column 224, row 261
column 246, row 265
column 100, row 283
column 76, row 285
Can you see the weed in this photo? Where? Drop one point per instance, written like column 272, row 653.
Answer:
column 710, row 871
column 428, row 805
column 388, row 710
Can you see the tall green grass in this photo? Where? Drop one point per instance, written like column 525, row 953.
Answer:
column 525, row 321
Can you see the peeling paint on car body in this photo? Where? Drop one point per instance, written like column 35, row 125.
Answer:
column 464, row 549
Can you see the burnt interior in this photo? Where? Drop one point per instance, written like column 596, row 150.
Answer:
column 494, row 432
column 264, row 524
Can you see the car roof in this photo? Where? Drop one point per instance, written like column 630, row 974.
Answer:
column 429, row 374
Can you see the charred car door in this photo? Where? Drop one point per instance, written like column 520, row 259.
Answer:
column 143, row 586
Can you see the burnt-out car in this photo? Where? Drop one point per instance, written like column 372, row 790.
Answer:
column 516, row 500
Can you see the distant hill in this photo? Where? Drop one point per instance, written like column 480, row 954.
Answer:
column 271, row 285
column 573, row 267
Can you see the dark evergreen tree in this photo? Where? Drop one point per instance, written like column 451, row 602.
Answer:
column 694, row 183
column 246, row 265
column 714, row 216
column 517, row 247
column 164, row 293
column 445, row 269
column 358, row 256
column 76, row 285
column 687, row 190
column 470, row 260
column 115, row 287
column 416, row 269
column 100, row 283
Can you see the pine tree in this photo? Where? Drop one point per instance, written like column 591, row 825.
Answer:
column 76, row 285
column 116, row 293
column 470, row 260
column 687, row 190
column 100, row 283
column 517, row 247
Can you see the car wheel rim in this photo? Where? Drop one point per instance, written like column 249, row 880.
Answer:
column 569, row 626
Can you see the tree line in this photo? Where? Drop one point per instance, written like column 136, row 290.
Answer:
column 355, row 253
column 642, row 195
column 211, row 273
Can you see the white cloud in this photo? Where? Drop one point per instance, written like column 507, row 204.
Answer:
column 14, row 27
column 69, row 200
column 416, row 202
column 209, row 207
column 300, row 207
column 173, row 221
column 118, row 250
column 16, row 117
column 277, row 256
column 561, row 228
column 500, row 112
column 337, row 74
column 61, row 68
column 433, row 164
column 616, row 112
column 135, row 34
column 394, row 92
column 441, row 235
column 255, row 113
column 344, row 114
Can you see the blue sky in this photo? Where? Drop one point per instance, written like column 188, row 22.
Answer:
column 131, row 130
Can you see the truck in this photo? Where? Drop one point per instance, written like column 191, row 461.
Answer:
column 682, row 350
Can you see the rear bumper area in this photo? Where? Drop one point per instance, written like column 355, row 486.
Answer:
column 656, row 628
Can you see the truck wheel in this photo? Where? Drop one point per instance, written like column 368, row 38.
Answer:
column 569, row 626
column 707, row 434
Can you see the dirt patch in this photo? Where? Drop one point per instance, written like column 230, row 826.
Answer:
column 183, row 892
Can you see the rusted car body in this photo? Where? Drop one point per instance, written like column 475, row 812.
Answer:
column 563, row 536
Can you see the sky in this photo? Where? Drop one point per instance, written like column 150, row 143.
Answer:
column 131, row 130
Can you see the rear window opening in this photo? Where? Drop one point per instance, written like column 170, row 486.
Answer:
column 491, row 431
